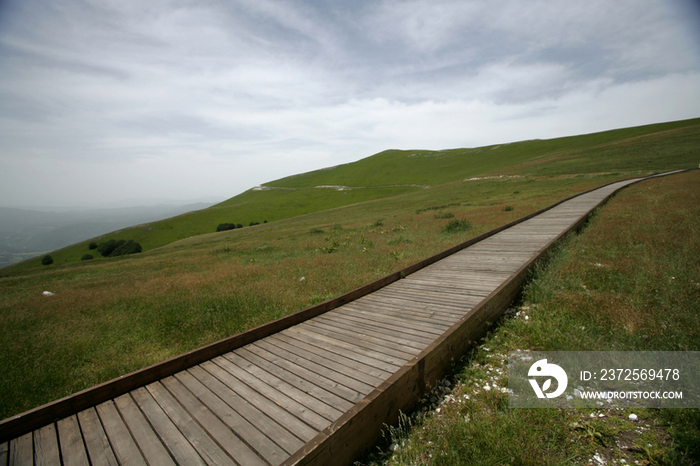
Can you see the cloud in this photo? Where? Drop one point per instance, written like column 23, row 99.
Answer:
column 175, row 97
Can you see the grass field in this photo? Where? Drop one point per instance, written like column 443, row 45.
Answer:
column 628, row 282
column 623, row 153
column 112, row 316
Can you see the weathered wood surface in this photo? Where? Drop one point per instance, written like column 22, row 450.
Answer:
column 313, row 390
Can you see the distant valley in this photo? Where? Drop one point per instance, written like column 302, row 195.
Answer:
column 25, row 233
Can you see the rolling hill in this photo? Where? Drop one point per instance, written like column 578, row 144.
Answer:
column 624, row 152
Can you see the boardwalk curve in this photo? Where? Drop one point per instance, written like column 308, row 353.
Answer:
column 312, row 388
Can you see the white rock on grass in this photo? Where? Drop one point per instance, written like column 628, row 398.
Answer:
column 633, row 417
column 48, row 293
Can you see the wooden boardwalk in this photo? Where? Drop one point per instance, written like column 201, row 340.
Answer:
column 315, row 392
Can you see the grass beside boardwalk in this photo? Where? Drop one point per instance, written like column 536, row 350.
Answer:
column 629, row 282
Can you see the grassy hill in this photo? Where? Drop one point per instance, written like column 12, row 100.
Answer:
column 624, row 152
column 585, row 154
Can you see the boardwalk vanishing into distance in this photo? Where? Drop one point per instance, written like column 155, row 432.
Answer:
column 312, row 388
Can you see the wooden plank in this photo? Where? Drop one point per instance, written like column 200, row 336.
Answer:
column 318, row 400
column 404, row 297
column 352, row 334
column 123, row 445
column 454, row 279
column 350, row 367
column 276, row 391
column 290, row 422
column 424, row 315
column 224, row 437
column 332, row 372
column 46, row 449
column 71, row 440
column 22, row 450
column 436, row 317
column 390, row 338
column 450, row 292
column 198, row 437
column 143, row 434
column 393, row 319
column 380, row 351
column 350, row 351
column 450, row 298
column 177, row 444
column 249, row 433
column 259, row 430
column 317, row 384
column 460, row 280
column 98, row 448
column 4, row 453
column 402, row 328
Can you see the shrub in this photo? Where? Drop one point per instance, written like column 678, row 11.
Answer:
column 239, row 225
column 113, row 248
column 86, row 257
column 46, row 260
column 127, row 247
column 225, row 226
column 508, row 208
column 92, row 245
column 109, row 246
column 444, row 215
column 456, row 226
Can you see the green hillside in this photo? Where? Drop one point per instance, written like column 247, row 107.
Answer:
column 624, row 152
column 430, row 168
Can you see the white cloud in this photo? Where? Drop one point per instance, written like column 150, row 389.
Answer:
column 213, row 98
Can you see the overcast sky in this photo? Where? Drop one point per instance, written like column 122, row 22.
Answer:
column 110, row 100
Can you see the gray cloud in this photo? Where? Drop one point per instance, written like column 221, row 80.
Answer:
column 181, row 99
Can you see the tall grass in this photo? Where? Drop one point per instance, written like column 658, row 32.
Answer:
column 628, row 282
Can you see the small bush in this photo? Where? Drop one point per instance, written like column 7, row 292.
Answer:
column 92, row 245
column 86, row 257
column 128, row 247
column 445, row 215
column 113, row 248
column 316, row 231
column 225, row 226
column 239, row 225
column 508, row 208
column 456, row 226
column 46, row 260
column 108, row 246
